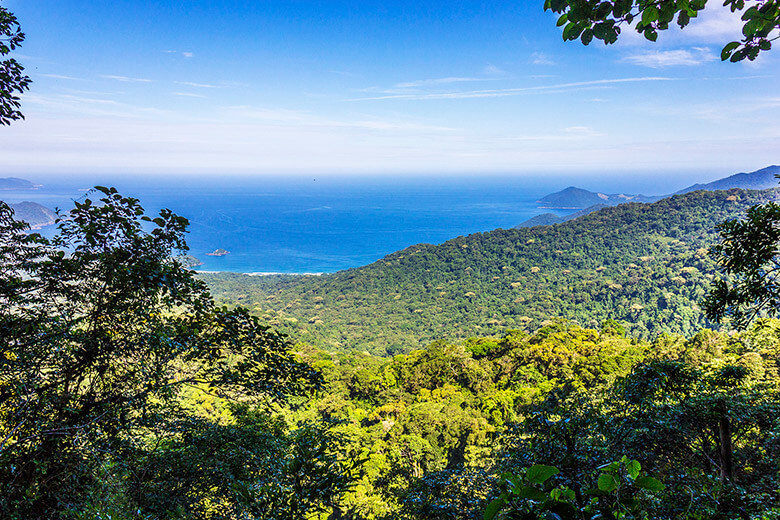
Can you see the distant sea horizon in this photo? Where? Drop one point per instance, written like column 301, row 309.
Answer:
column 317, row 224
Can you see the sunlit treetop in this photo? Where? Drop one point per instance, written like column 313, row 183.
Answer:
column 589, row 19
column 12, row 78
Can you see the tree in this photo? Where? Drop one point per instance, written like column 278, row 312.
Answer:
column 589, row 19
column 101, row 330
column 13, row 81
column 749, row 257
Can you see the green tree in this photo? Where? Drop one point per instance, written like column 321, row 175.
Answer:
column 13, row 81
column 749, row 258
column 101, row 329
column 604, row 20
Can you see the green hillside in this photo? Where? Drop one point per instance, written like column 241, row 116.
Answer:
column 642, row 264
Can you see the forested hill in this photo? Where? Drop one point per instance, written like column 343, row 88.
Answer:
column 643, row 264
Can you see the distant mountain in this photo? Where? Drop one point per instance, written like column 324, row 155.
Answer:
column 14, row 183
column 34, row 214
column 758, row 180
column 548, row 219
column 572, row 197
column 577, row 198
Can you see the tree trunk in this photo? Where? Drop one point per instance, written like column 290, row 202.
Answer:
column 726, row 449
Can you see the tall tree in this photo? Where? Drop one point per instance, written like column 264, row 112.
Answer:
column 101, row 329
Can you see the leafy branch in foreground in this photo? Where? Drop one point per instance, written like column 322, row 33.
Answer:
column 619, row 492
column 749, row 257
column 13, row 81
column 588, row 19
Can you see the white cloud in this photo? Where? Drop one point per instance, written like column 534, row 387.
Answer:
column 572, row 133
column 301, row 118
column 188, row 94
column 60, row 76
column 492, row 70
column 715, row 24
column 196, row 85
column 126, row 79
column 657, row 59
column 437, row 81
column 474, row 94
column 85, row 106
column 540, row 58
column 186, row 54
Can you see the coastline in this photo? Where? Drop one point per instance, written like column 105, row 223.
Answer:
column 260, row 273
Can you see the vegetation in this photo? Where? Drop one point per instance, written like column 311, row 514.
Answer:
column 104, row 340
column 646, row 265
column 748, row 257
column 588, row 19
column 126, row 393
column 13, row 81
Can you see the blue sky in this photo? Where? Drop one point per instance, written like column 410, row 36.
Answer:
column 403, row 87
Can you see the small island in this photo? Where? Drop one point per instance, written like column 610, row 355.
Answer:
column 218, row 252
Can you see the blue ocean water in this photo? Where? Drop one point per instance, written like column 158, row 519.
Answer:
column 308, row 225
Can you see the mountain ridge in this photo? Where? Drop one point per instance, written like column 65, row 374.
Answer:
column 646, row 265
column 585, row 200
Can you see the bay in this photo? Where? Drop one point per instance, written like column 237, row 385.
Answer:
column 313, row 224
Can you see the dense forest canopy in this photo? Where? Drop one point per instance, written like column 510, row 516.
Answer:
column 643, row 264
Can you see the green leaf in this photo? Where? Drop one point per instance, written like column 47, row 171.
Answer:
column 633, row 468
column 587, row 36
column 493, row 508
column 539, row 473
column 531, row 493
column 727, row 50
column 612, row 466
column 607, row 482
column 650, row 14
column 648, row 483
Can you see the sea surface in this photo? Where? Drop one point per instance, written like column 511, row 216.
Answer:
column 313, row 225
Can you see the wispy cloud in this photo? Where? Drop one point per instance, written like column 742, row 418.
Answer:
column 561, row 87
column 186, row 54
column 492, row 70
column 540, row 58
column 126, row 79
column 572, row 133
column 188, row 94
column 344, row 73
column 196, row 85
column 679, row 57
column 60, row 76
column 437, row 81
column 285, row 117
column 85, row 105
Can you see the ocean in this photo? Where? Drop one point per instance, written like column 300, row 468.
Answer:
column 314, row 224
